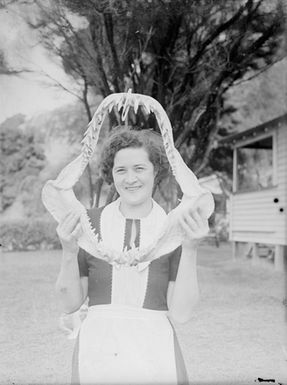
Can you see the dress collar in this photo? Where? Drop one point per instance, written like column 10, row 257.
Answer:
column 156, row 209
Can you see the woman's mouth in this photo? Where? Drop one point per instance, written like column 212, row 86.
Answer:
column 132, row 188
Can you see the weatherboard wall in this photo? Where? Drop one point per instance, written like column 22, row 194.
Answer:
column 255, row 217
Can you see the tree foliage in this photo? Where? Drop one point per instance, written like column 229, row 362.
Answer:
column 20, row 162
column 257, row 101
column 184, row 53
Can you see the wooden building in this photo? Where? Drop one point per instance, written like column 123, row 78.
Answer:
column 259, row 198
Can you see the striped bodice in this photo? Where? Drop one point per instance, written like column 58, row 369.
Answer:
column 144, row 285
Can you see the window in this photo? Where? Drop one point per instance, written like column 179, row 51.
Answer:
column 255, row 165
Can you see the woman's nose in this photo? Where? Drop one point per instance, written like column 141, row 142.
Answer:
column 130, row 177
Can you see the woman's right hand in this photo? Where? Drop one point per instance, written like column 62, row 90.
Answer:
column 69, row 230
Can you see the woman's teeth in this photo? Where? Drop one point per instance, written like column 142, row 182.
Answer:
column 132, row 188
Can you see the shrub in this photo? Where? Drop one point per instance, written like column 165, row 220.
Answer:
column 21, row 157
column 222, row 227
column 36, row 234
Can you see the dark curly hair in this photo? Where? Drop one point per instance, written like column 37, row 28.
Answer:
column 123, row 137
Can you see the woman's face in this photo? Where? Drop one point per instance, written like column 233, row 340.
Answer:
column 133, row 175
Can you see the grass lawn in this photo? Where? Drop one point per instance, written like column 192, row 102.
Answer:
column 235, row 336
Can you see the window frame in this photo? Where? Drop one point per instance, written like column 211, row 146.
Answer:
column 270, row 134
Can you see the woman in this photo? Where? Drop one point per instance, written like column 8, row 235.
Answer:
column 127, row 336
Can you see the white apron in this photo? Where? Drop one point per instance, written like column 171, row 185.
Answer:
column 122, row 342
column 125, row 345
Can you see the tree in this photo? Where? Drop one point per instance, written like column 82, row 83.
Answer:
column 21, row 159
column 256, row 101
column 184, row 53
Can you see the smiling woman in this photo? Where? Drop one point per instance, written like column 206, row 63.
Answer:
column 126, row 138
column 133, row 175
column 127, row 336
column 135, row 162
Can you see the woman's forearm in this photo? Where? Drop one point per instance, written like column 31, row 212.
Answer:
column 68, row 285
column 185, row 293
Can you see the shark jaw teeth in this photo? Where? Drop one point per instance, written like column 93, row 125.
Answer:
column 125, row 101
column 131, row 257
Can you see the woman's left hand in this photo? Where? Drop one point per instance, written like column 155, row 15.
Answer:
column 194, row 225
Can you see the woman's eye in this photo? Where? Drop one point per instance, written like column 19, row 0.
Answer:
column 139, row 168
column 120, row 171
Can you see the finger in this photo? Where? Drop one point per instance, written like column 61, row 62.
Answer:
column 66, row 222
column 71, row 214
column 186, row 228
column 203, row 220
column 78, row 231
column 70, row 222
column 68, row 216
column 190, row 221
column 192, row 228
column 198, row 217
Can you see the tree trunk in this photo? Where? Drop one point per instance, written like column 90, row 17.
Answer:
column 90, row 185
column 112, row 195
column 98, row 191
